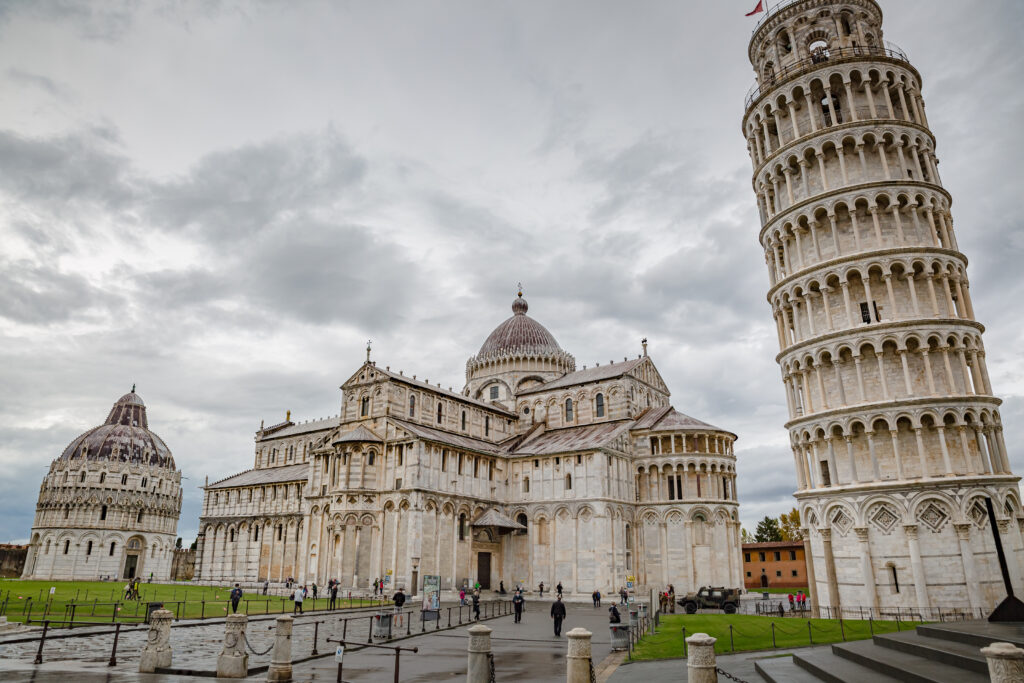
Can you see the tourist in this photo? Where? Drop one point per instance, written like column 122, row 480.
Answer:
column 236, row 595
column 558, row 589
column 672, row 598
column 791, row 606
column 558, row 614
column 596, row 597
column 266, row 586
column 375, row 585
column 623, row 596
column 314, row 592
column 334, row 596
column 297, row 598
column 476, row 604
column 462, row 596
column 517, row 604
column 613, row 615
column 399, row 599
column 501, row 587
column 542, row 589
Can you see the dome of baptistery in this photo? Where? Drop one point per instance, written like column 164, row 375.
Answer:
column 519, row 334
column 124, row 437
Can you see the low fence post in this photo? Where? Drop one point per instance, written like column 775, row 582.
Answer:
column 42, row 639
column 280, row 670
column 157, row 652
column 700, row 662
column 113, row 649
column 1005, row 662
column 233, row 660
column 579, row 667
column 479, row 660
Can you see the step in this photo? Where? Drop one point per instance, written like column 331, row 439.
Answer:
column 825, row 665
column 979, row 633
column 963, row 655
column 783, row 670
column 903, row 666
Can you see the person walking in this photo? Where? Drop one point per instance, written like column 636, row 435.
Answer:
column 558, row 588
column 613, row 615
column 596, row 597
column 236, row 595
column 790, row 602
column 399, row 598
column 672, row 598
column 542, row 589
column 266, row 586
column 558, row 614
column 501, row 587
column 297, row 597
column 314, row 594
column 623, row 596
column 334, row 596
column 462, row 596
column 517, row 604
column 476, row 604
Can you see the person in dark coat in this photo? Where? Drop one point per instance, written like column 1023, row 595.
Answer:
column 596, row 597
column 558, row 614
column 476, row 604
column 399, row 599
column 558, row 589
column 542, row 589
column 613, row 615
column 334, row 596
column 236, row 595
column 517, row 603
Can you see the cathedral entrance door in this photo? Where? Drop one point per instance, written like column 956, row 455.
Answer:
column 483, row 570
column 131, row 563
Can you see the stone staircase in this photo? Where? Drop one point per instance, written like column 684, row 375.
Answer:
column 935, row 653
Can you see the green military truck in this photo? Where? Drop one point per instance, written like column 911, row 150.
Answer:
column 711, row 597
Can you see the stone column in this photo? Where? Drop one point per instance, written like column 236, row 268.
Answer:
column 1005, row 662
column 917, row 567
column 963, row 534
column 478, row 669
column 830, row 568
column 866, row 567
column 157, row 651
column 578, row 663
column 233, row 661
column 700, row 662
column 812, row 587
column 280, row 670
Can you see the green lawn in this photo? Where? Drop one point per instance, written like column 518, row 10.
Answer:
column 99, row 600
column 753, row 633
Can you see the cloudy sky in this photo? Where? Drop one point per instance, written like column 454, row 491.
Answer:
column 222, row 201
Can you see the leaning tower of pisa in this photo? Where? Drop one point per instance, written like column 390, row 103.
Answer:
column 894, row 426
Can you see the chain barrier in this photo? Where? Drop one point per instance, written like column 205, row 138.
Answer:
column 593, row 676
column 253, row 650
column 490, row 662
column 729, row 675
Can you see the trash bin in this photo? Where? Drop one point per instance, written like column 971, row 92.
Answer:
column 152, row 607
column 382, row 626
column 620, row 636
column 643, row 609
column 634, row 616
column 765, row 595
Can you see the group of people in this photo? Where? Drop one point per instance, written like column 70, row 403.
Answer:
column 667, row 599
column 798, row 601
column 131, row 590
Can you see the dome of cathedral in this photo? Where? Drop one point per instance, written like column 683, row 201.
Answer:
column 124, row 437
column 519, row 335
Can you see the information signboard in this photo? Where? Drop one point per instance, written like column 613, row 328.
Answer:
column 431, row 597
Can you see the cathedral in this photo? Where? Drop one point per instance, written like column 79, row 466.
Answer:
column 536, row 472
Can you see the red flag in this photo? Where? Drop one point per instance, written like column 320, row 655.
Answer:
column 759, row 8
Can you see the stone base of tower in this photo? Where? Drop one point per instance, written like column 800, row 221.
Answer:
column 912, row 547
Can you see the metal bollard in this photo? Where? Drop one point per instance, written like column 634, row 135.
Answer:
column 578, row 663
column 280, row 670
column 233, row 660
column 157, row 652
column 700, row 665
column 478, row 669
column 1005, row 662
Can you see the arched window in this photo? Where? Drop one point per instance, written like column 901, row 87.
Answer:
column 231, row 535
column 463, row 420
column 88, row 548
column 67, row 511
column 698, row 530
column 412, row 406
column 844, row 22
column 526, row 484
column 599, row 405
column 462, row 527
column 144, row 480
column 67, row 547
column 568, row 482
column 124, row 480
column 113, row 545
column 398, row 453
column 255, row 533
column 487, row 425
column 819, row 51
column 139, row 518
column 568, row 410
column 103, row 513
column 629, row 539
column 521, row 519
column 364, row 407
column 440, row 412
column 81, row 477
column 103, row 477
column 369, row 459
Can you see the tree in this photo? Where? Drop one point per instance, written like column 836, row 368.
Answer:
column 745, row 536
column 789, row 525
column 177, row 543
column 767, row 530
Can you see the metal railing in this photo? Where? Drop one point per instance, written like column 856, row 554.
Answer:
column 771, row 608
column 818, row 58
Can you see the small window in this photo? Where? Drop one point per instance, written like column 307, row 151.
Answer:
column 255, row 533
column 463, row 420
column 526, row 484
column 793, row 573
column 67, row 511
column 412, row 406
column 760, row 557
column 398, row 483
column 144, row 480
column 476, row 467
column 369, row 459
column 460, row 463
column 487, row 425
column 398, row 452
column 462, row 527
column 536, row 462
column 494, row 392
column 440, row 412
column 599, row 405
column 231, row 535
column 88, row 548
column 568, row 482
column 103, row 477
column 778, row 556
column 364, row 406
column 826, row 478
column 748, row 575
column 113, row 545
column 521, row 519
column 67, row 547
column 746, row 557
column 568, row 410
column 444, row 460
column 279, row 532
column 792, row 555
column 138, row 519
column 103, row 513
column 865, row 312
column 81, row 477
column 778, row 574
column 579, row 459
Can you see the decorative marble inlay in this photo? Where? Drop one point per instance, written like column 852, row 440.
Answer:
column 978, row 514
column 933, row 516
column 841, row 522
column 884, row 518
